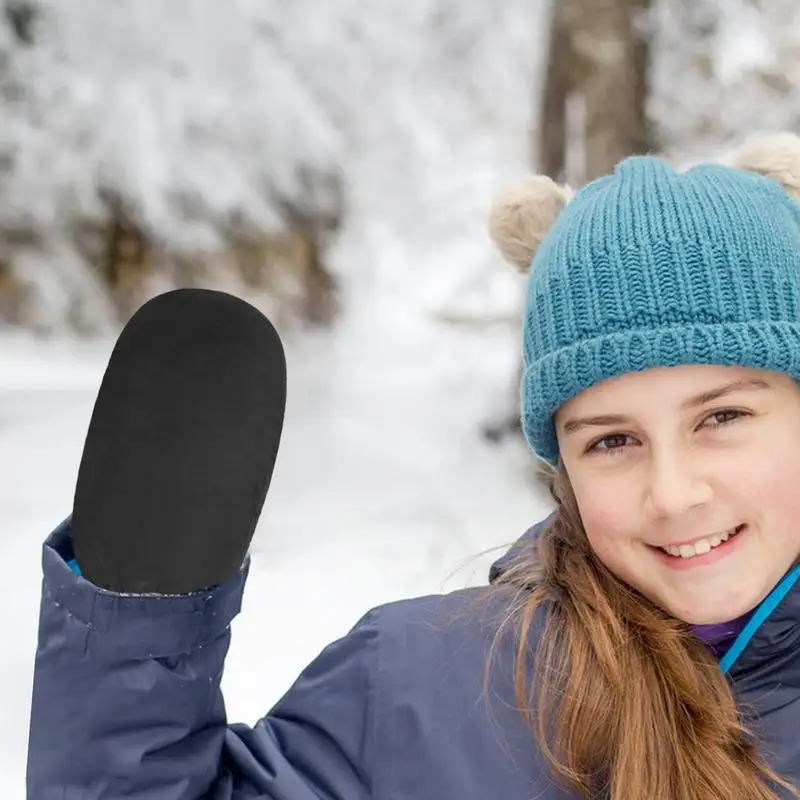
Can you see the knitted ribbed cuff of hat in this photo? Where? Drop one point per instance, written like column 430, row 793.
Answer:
column 549, row 381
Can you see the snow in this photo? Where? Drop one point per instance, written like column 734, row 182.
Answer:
column 738, row 73
column 197, row 112
column 384, row 488
column 743, row 45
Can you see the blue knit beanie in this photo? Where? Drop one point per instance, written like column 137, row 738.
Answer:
column 650, row 267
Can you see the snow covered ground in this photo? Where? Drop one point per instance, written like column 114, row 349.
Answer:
column 384, row 488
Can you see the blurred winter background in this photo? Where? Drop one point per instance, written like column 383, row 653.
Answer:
column 333, row 164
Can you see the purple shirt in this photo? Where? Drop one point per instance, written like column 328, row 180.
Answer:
column 720, row 636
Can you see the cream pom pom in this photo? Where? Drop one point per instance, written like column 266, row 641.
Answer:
column 775, row 156
column 522, row 214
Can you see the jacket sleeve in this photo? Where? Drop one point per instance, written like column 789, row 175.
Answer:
column 127, row 702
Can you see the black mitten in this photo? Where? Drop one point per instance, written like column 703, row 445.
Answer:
column 181, row 446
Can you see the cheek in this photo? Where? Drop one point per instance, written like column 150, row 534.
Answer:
column 770, row 490
column 608, row 516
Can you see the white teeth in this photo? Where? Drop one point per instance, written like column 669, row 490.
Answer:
column 700, row 547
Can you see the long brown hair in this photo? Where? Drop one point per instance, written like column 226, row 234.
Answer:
column 625, row 702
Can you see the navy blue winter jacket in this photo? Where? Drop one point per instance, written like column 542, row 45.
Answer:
column 127, row 702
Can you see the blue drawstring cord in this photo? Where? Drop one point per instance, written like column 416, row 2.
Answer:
column 769, row 604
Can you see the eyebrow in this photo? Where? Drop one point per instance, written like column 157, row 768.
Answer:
column 753, row 384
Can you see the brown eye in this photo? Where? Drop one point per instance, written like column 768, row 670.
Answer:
column 611, row 443
column 724, row 417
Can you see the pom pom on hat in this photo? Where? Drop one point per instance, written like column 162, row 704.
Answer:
column 775, row 156
column 522, row 214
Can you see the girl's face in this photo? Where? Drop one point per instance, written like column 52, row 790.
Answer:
column 688, row 483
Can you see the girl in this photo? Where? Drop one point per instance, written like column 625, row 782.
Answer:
column 643, row 642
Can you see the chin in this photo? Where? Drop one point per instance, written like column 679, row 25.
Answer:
column 711, row 618
column 713, row 614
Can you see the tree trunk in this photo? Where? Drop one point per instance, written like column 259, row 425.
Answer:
column 597, row 54
column 552, row 139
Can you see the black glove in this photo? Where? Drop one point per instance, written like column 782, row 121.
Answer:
column 181, row 446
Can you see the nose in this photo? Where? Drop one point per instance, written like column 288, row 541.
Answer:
column 676, row 484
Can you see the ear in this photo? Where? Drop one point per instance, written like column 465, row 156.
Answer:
column 522, row 214
column 775, row 156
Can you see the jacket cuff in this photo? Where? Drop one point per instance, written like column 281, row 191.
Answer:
column 125, row 626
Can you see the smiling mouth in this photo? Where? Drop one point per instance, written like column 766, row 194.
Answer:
column 702, row 546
